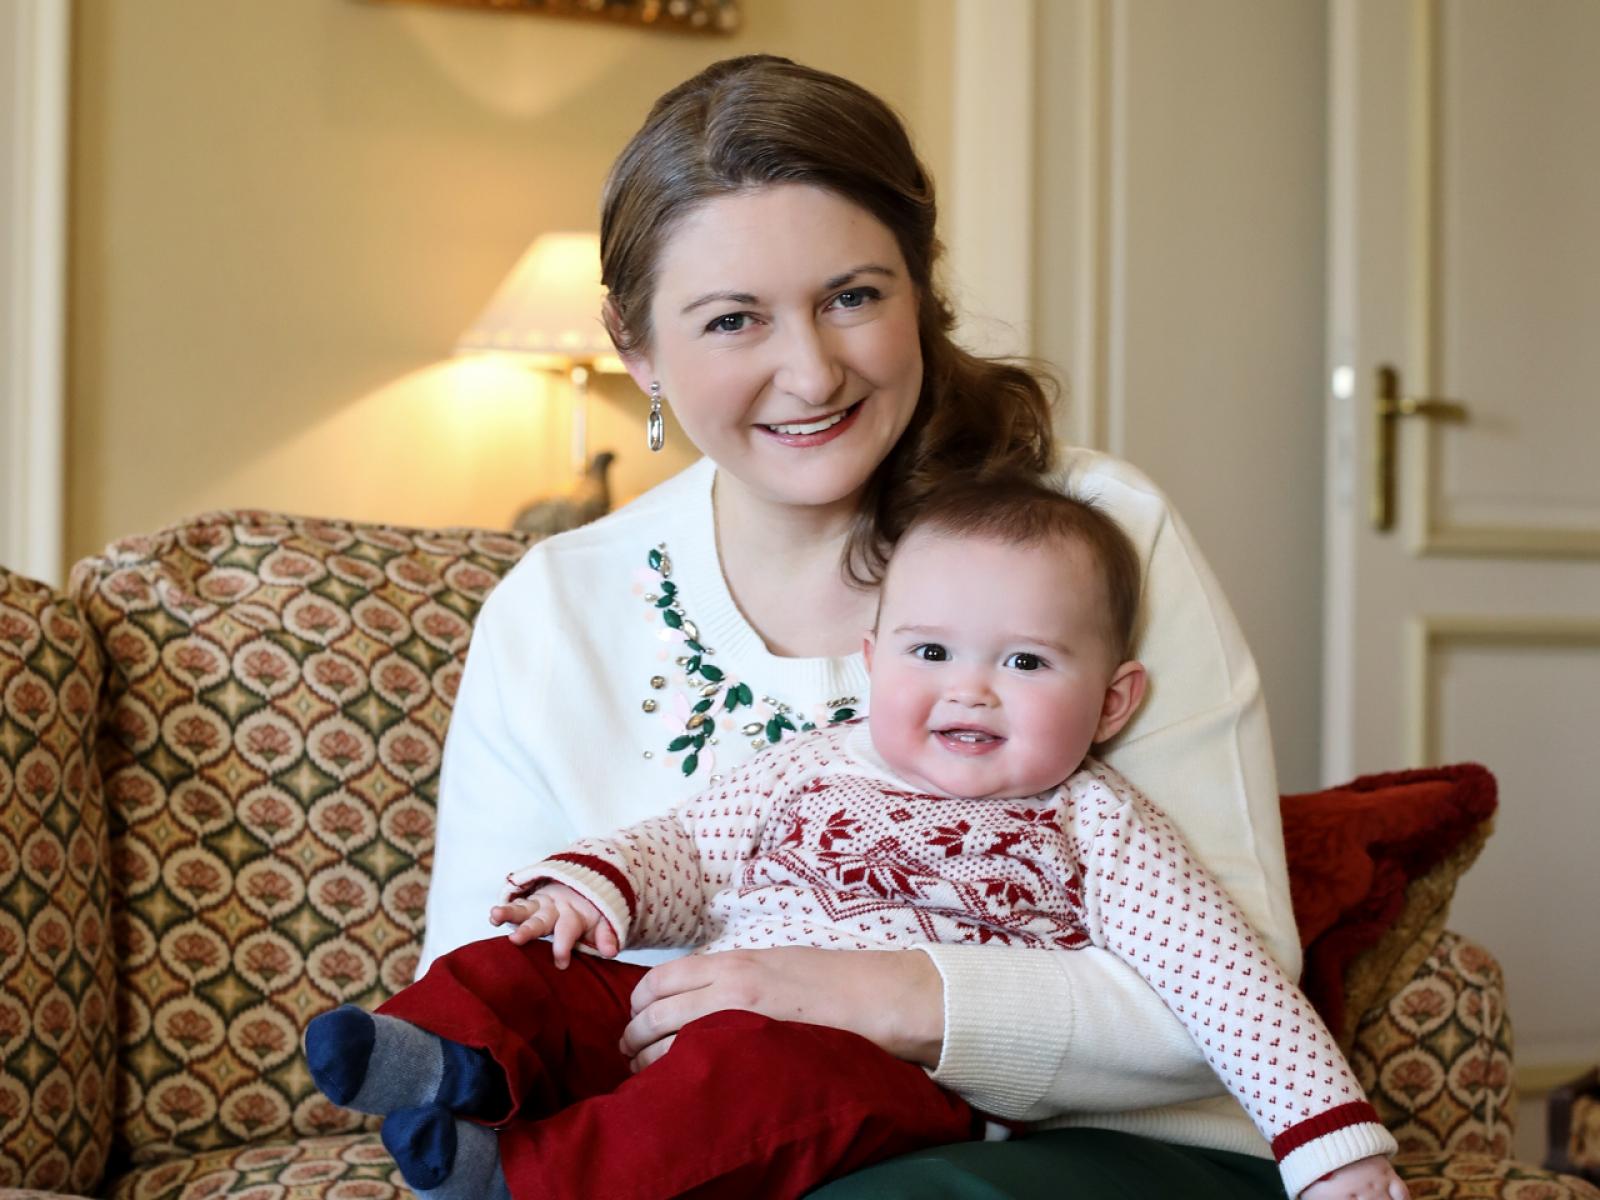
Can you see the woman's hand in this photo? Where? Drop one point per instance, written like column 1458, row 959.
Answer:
column 894, row 998
column 567, row 917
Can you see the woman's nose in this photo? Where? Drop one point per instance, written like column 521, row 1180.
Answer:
column 809, row 370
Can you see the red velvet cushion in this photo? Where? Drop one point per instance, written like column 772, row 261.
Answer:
column 1354, row 849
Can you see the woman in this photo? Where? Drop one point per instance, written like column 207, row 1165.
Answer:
column 767, row 243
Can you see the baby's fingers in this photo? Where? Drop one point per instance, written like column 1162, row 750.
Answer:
column 605, row 938
column 569, row 928
column 534, row 924
column 1398, row 1190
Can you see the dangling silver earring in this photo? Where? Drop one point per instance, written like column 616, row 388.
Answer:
column 657, row 427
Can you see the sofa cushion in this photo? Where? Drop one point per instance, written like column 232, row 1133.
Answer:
column 1372, row 868
column 1468, row 1176
column 56, row 1012
column 276, row 701
column 350, row 1167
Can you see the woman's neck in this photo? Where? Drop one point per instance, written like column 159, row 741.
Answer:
column 783, row 567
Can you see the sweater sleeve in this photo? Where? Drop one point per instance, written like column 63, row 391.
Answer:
column 652, row 881
column 495, row 806
column 1029, row 1036
column 1150, row 903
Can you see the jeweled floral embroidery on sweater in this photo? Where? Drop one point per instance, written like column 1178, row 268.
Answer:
column 704, row 692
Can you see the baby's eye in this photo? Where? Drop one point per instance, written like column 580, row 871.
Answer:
column 729, row 323
column 930, row 652
column 1023, row 661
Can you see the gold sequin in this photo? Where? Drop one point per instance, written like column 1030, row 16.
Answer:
column 649, row 706
column 658, row 681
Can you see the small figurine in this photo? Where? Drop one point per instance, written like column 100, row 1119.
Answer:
column 588, row 499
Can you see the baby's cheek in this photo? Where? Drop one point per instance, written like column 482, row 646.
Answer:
column 896, row 731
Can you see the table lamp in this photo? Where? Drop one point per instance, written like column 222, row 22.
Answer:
column 547, row 314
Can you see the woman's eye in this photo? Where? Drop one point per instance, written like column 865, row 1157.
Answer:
column 1023, row 661
column 930, row 652
column 856, row 297
column 729, row 323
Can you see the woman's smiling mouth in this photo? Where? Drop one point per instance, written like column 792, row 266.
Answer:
column 812, row 433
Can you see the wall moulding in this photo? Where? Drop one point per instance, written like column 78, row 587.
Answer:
column 34, row 46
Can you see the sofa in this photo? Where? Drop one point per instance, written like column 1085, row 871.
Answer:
column 219, row 757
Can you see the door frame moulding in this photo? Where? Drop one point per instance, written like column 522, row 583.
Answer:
column 33, row 307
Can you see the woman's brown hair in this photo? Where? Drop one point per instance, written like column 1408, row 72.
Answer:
column 761, row 120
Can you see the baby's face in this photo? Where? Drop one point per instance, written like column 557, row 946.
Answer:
column 990, row 665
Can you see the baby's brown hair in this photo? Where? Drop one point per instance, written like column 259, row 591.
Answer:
column 1017, row 510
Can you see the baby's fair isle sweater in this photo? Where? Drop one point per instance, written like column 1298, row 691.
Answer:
column 817, row 843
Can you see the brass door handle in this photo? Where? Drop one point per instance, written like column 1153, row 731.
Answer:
column 1388, row 407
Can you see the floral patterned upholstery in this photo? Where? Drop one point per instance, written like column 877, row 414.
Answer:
column 274, row 710
column 57, row 1037
column 273, row 696
column 1485, row 1177
column 1436, row 1057
column 352, row 1167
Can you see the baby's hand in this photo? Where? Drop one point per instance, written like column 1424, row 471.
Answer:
column 1365, row 1179
column 562, row 913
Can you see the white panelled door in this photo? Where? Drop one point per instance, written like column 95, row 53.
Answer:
column 1464, row 246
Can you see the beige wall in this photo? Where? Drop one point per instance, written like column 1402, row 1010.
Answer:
column 285, row 211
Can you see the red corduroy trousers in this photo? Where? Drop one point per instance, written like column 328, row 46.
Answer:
column 741, row 1106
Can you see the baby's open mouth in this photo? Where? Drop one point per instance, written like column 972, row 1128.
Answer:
column 968, row 740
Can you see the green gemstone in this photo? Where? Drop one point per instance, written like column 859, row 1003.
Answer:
column 774, row 730
column 785, row 722
column 843, row 714
column 669, row 587
column 730, row 699
column 807, row 727
column 679, row 743
column 671, row 618
column 664, row 602
column 655, row 560
column 693, row 665
column 712, row 673
column 690, row 763
column 701, row 705
column 695, row 646
column 745, row 694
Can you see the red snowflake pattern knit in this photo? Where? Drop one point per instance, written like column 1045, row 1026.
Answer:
column 815, row 843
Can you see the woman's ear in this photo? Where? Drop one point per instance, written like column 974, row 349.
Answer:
column 638, row 366
column 1123, row 695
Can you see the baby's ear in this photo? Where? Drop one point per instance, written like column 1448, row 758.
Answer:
column 869, row 641
column 1123, row 696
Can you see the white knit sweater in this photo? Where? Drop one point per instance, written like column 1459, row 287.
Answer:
column 560, row 732
column 818, row 843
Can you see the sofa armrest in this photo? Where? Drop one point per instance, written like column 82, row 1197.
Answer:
column 1435, row 1055
column 57, row 1006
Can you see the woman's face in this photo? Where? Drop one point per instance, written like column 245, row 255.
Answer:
column 785, row 339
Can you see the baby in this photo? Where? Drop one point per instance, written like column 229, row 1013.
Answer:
column 964, row 809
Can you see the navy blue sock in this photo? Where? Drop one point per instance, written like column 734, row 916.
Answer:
column 377, row 1064
column 443, row 1157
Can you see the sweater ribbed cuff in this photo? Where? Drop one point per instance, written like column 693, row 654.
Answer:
column 598, row 882
column 1302, row 1167
column 1002, row 1046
